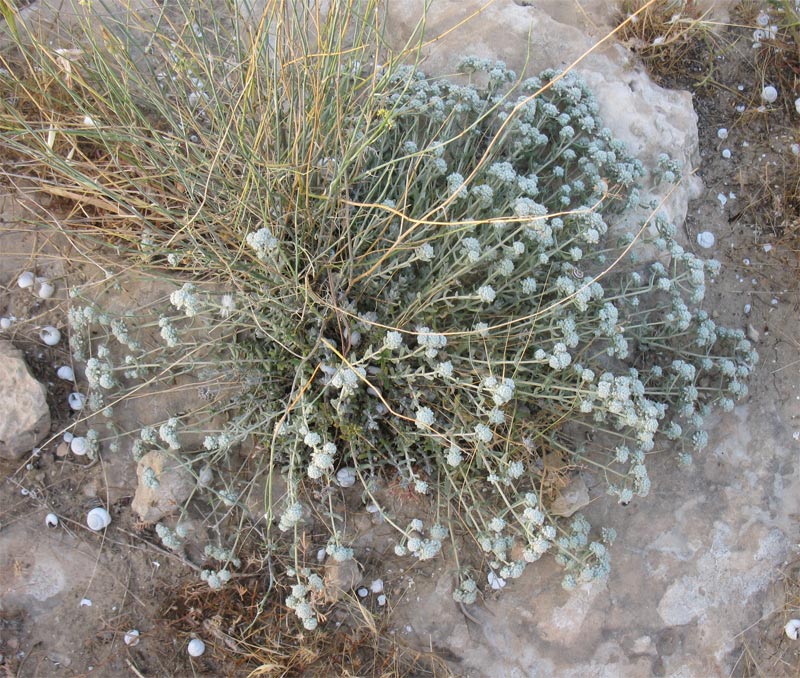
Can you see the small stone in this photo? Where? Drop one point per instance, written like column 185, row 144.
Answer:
column 752, row 334
column 722, row 198
column 572, row 498
column 175, row 484
column 706, row 239
column 346, row 477
column 23, row 401
column 340, row 578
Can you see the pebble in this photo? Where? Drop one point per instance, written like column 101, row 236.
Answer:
column 346, row 477
column 722, row 198
column 706, row 239
column 752, row 334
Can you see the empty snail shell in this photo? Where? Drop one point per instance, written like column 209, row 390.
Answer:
column 76, row 400
column 98, row 519
column 78, row 445
column 50, row 335
column 66, row 373
column 196, row 647
column 46, row 289
column 26, row 279
column 51, row 520
column 131, row 637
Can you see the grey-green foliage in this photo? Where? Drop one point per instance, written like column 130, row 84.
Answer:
column 423, row 288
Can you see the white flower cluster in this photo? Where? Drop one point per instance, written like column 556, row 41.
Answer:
column 262, row 242
column 415, row 543
column 467, row 591
column 322, row 458
column 186, row 299
column 100, row 374
column 431, row 341
column 168, row 432
column 291, row 517
column 298, row 600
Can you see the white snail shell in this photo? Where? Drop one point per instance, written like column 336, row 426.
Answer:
column 50, row 335
column 792, row 629
column 76, row 400
column 79, row 446
column 5, row 323
column 51, row 520
column 98, row 518
column 46, row 289
column 26, row 279
column 769, row 94
column 196, row 647
column 131, row 637
column 66, row 373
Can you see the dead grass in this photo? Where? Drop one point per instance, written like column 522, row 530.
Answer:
column 670, row 37
column 765, row 650
column 249, row 631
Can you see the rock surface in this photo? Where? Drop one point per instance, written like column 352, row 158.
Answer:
column 23, row 402
column 530, row 37
column 173, row 485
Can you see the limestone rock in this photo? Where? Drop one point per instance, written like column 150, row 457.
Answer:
column 340, row 578
column 23, row 402
column 571, row 499
column 173, row 485
column 530, row 37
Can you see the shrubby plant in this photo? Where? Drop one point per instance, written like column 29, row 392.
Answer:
column 378, row 274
